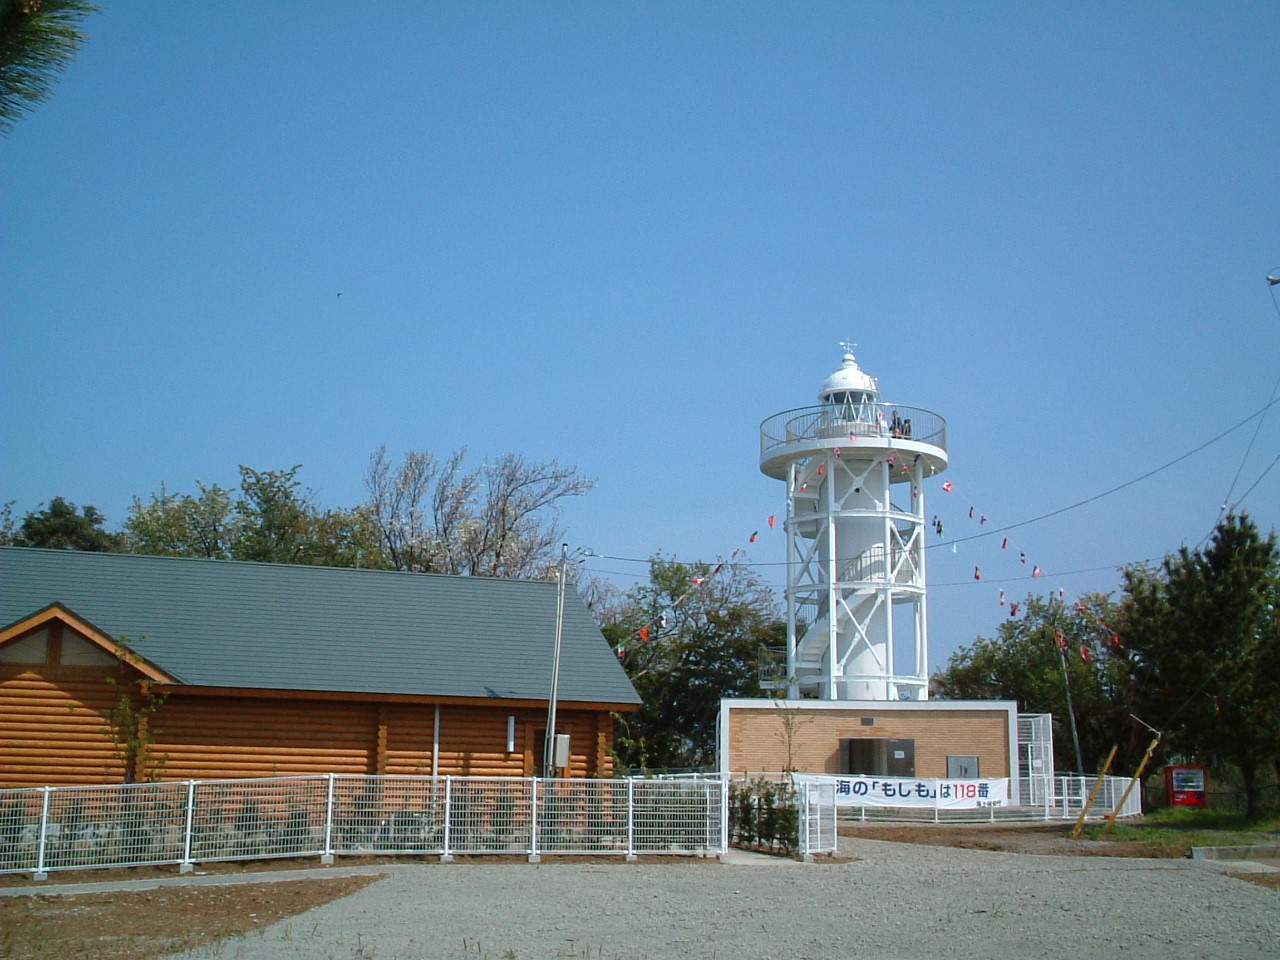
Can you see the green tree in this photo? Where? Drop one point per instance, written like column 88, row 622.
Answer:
column 60, row 527
column 180, row 525
column 270, row 517
column 38, row 39
column 688, row 637
column 1024, row 662
column 273, row 517
column 8, row 526
column 1203, row 635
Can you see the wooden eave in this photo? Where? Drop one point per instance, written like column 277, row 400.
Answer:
column 266, row 693
column 56, row 612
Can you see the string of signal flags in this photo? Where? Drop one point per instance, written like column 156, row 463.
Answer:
column 648, row 631
column 1036, row 573
column 644, row 634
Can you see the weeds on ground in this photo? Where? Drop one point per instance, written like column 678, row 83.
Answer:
column 1188, row 827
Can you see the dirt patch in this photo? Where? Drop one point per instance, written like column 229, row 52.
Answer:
column 248, row 867
column 1040, row 838
column 141, row 924
column 1271, row 880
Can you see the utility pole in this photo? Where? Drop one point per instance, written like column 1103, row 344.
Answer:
column 1071, row 710
column 548, row 746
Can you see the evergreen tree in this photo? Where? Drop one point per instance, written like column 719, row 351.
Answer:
column 38, row 39
column 1203, row 638
column 60, row 527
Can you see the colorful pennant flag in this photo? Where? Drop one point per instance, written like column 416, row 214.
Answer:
column 977, row 574
column 772, row 517
column 946, row 487
column 1035, row 573
column 1084, row 654
column 644, row 634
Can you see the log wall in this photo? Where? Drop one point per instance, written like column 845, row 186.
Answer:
column 53, row 726
column 53, row 731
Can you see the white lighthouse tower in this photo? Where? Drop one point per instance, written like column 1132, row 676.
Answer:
column 855, row 467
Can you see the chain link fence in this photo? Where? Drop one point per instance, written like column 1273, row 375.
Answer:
column 189, row 822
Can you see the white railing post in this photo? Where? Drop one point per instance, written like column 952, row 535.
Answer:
column 186, row 866
column 631, row 819
column 326, row 855
column 40, row 872
column 806, row 841
column 533, row 821
column 711, row 838
column 446, row 856
column 936, row 791
column 724, row 815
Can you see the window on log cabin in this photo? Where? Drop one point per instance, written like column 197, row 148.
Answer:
column 30, row 648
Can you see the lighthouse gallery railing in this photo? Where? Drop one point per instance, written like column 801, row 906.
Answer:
column 834, row 422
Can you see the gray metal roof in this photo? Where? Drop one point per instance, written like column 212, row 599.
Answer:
column 274, row 626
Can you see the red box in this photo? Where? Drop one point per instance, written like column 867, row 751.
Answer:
column 1184, row 786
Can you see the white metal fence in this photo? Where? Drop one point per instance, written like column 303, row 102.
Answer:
column 188, row 822
column 816, row 803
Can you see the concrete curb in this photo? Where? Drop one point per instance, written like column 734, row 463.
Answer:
column 202, row 880
column 1263, row 851
column 735, row 858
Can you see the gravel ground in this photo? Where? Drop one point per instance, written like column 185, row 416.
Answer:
column 891, row 901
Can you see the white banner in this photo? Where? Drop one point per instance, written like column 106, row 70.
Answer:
column 860, row 791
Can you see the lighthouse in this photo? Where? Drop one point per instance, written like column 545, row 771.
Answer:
column 855, row 468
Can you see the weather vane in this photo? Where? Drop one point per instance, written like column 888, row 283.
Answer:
column 849, row 346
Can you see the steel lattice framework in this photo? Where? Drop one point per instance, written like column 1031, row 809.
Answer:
column 856, row 529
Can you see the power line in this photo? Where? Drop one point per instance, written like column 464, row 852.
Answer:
column 1256, row 482
column 1021, row 523
column 1116, row 489
column 1226, row 501
column 1049, row 575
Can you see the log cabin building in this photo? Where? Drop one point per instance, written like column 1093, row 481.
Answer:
column 236, row 669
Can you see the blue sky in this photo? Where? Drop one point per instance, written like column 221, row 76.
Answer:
column 621, row 235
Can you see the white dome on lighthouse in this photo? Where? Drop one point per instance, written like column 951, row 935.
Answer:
column 849, row 383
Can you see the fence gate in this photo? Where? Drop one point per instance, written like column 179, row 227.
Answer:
column 817, row 805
